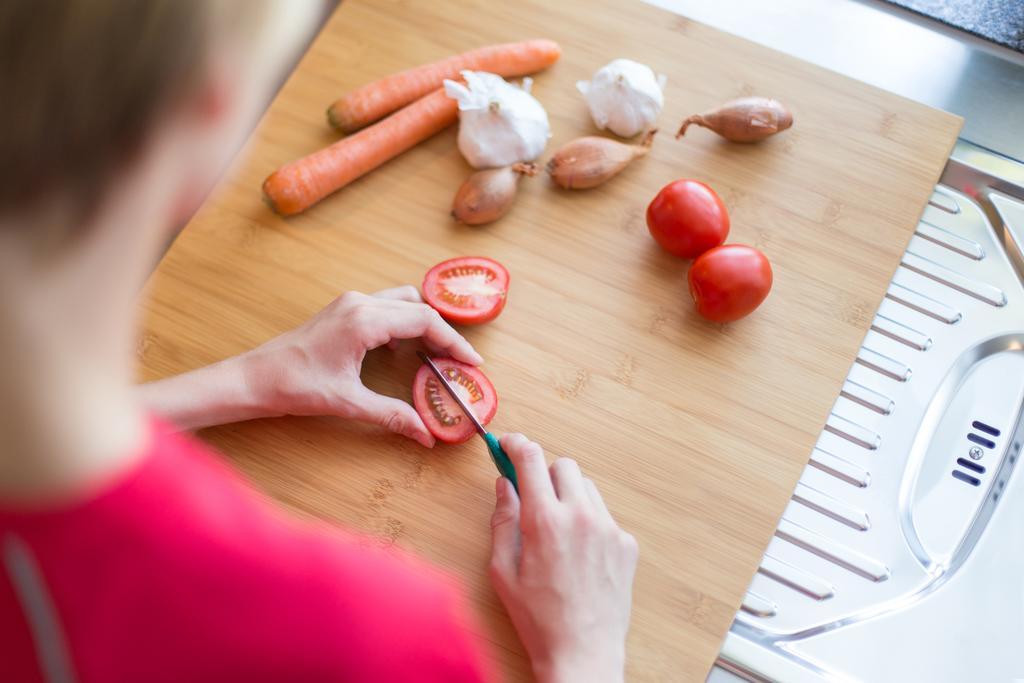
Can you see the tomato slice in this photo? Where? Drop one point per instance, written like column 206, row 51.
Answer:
column 468, row 290
column 440, row 412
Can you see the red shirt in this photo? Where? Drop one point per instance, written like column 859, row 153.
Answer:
column 179, row 571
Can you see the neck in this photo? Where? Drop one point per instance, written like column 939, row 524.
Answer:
column 68, row 417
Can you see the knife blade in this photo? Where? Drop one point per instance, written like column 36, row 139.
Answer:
column 498, row 455
column 451, row 392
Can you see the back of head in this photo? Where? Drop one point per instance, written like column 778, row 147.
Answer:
column 84, row 80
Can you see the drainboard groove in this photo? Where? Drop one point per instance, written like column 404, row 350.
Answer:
column 901, row 333
column 893, row 369
column 944, row 202
column 841, row 469
column 832, row 508
column 930, row 269
column 758, row 606
column 949, row 240
column 797, row 579
column 834, row 552
column 916, row 301
column 872, row 400
column 852, row 432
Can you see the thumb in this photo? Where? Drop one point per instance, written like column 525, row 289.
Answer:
column 505, row 532
column 391, row 414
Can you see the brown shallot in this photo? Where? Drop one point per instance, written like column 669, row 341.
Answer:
column 487, row 195
column 747, row 119
column 587, row 162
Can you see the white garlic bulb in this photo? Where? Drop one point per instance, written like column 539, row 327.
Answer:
column 624, row 96
column 499, row 123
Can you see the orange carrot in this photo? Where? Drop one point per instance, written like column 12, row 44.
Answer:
column 375, row 100
column 295, row 187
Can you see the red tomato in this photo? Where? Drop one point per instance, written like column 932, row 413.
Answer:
column 687, row 218
column 729, row 282
column 468, row 290
column 440, row 412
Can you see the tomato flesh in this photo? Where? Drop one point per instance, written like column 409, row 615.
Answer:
column 687, row 218
column 729, row 282
column 440, row 413
column 468, row 290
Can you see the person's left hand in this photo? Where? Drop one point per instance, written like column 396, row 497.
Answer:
column 314, row 369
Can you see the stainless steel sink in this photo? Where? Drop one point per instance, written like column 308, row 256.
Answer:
column 900, row 556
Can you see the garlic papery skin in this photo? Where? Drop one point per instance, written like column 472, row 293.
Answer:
column 499, row 124
column 624, row 96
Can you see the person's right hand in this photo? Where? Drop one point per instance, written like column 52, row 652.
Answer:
column 563, row 568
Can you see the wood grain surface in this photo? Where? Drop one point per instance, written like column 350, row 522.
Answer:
column 696, row 433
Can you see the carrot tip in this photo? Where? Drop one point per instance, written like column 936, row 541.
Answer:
column 333, row 121
column 269, row 201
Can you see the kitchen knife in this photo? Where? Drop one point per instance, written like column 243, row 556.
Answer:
column 498, row 455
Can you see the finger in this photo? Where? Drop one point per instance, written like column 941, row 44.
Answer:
column 403, row 293
column 596, row 500
column 395, row 319
column 409, row 321
column 535, row 488
column 434, row 349
column 505, row 541
column 392, row 414
column 568, row 482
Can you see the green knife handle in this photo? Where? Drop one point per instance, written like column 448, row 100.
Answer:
column 501, row 460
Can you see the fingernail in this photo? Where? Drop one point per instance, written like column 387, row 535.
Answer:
column 499, row 488
column 477, row 358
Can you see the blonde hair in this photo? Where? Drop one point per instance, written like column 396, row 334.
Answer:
column 84, row 82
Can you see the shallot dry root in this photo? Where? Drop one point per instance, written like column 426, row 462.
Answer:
column 587, row 162
column 487, row 195
column 747, row 119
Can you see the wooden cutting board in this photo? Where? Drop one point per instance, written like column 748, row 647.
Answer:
column 695, row 432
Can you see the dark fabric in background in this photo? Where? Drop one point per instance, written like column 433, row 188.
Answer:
column 1001, row 21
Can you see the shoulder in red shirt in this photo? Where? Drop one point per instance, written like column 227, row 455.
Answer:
column 182, row 572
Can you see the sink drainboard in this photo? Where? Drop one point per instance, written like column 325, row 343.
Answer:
column 900, row 556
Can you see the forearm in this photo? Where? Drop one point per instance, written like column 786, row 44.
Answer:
column 570, row 669
column 217, row 394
